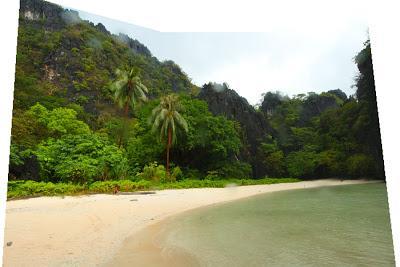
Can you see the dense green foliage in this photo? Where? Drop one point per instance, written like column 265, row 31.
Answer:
column 326, row 135
column 81, row 158
column 77, row 121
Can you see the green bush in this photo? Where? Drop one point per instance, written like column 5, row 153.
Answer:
column 272, row 157
column 15, row 157
column 230, row 170
column 331, row 163
column 302, row 164
column 82, row 99
column 275, row 163
column 360, row 165
column 193, row 174
column 153, row 172
column 176, row 174
column 236, row 169
column 123, row 185
column 18, row 189
column 213, row 175
column 81, row 158
column 59, row 121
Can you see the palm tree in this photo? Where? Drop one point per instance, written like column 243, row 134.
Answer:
column 128, row 92
column 166, row 120
column 128, row 89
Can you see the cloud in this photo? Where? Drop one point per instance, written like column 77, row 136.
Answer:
column 70, row 16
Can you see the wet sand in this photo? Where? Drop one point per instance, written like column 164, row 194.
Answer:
column 145, row 249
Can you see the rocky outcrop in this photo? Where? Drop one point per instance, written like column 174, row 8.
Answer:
column 48, row 15
column 226, row 102
column 308, row 106
column 134, row 45
column 314, row 104
column 37, row 9
column 102, row 28
column 339, row 93
column 270, row 102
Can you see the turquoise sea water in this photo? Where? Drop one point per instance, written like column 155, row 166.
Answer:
column 332, row 226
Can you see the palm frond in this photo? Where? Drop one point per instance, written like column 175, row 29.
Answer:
column 181, row 121
column 166, row 117
column 128, row 88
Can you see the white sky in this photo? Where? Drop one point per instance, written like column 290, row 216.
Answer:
column 291, row 60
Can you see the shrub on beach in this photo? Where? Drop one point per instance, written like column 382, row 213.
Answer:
column 176, row 174
column 20, row 189
column 230, row 170
column 360, row 165
column 123, row 185
column 153, row 172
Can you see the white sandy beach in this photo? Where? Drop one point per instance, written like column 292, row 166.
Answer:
column 90, row 230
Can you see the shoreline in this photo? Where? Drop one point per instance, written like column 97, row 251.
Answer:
column 148, row 248
column 93, row 230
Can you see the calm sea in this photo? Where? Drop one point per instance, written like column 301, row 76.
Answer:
column 332, row 226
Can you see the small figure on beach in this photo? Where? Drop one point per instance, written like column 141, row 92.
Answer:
column 116, row 189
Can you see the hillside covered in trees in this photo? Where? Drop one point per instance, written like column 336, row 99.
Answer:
column 93, row 106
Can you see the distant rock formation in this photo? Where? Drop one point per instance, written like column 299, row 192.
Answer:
column 310, row 105
column 102, row 28
column 51, row 15
column 224, row 101
column 134, row 45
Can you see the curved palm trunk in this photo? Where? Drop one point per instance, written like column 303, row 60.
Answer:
column 126, row 110
column 168, row 148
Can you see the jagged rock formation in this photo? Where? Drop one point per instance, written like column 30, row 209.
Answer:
column 308, row 106
column 315, row 104
column 224, row 101
column 102, row 28
column 134, row 45
column 35, row 10
column 270, row 102
column 50, row 16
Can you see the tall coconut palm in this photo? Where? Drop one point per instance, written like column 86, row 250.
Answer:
column 128, row 92
column 128, row 89
column 166, row 121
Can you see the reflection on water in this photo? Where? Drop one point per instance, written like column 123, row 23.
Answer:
column 332, row 226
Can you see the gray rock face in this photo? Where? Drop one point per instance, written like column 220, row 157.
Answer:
column 50, row 14
column 314, row 105
column 224, row 101
column 134, row 45
column 102, row 28
column 309, row 106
